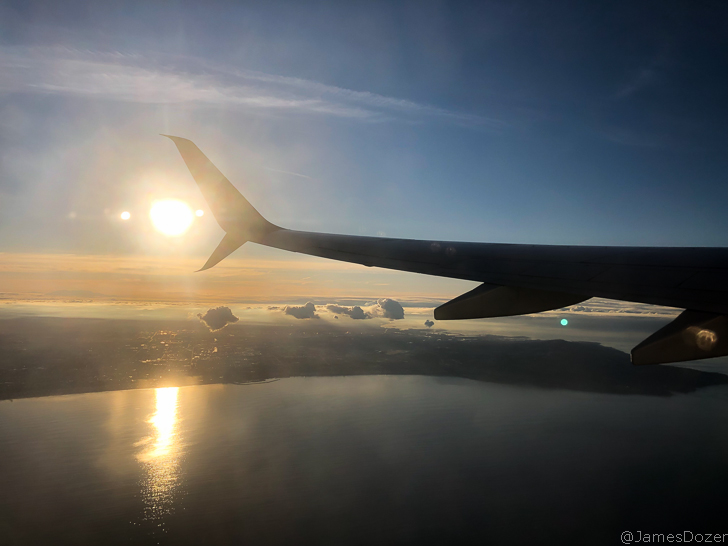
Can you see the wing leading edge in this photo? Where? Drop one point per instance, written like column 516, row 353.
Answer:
column 517, row 279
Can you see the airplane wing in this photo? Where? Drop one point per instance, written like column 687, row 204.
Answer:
column 516, row 279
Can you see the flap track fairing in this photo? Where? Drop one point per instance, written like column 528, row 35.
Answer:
column 693, row 335
column 489, row 300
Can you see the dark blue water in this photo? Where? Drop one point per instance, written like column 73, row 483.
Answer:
column 360, row 460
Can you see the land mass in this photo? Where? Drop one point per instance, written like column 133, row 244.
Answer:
column 42, row 356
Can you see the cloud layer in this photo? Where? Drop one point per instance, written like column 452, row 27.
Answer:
column 604, row 307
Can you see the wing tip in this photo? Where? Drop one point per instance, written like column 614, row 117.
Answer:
column 174, row 138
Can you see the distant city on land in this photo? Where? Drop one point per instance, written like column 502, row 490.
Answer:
column 42, row 356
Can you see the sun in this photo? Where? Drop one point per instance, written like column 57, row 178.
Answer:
column 171, row 217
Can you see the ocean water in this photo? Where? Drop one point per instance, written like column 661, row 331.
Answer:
column 360, row 460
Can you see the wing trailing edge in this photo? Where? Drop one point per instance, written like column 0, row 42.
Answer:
column 488, row 301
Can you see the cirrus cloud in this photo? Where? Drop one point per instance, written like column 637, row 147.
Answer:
column 164, row 79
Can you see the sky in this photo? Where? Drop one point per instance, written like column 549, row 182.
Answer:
column 521, row 122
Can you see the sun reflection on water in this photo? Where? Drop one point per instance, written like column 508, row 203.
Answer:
column 161, row 457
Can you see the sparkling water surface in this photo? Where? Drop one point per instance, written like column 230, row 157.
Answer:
column 360, row 460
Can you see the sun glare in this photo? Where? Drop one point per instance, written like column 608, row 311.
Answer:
column 171, row 217
column 124, row 215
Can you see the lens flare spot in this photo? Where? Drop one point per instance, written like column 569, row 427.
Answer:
column 199, row 212
column 171, row 217
column 124, row 215
column 564, row 322
column 706, row 339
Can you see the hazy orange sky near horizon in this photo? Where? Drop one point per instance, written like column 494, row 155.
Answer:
column 258, row 276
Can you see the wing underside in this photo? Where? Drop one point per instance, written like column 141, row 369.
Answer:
column 524, row 279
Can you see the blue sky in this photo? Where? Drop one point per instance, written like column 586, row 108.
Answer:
column 528, row 122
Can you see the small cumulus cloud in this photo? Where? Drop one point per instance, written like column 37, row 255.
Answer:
column 383, row 308
column 391, row 309
column 307, row 311
column 356, row 312
column 429, row 323
column 218, row 318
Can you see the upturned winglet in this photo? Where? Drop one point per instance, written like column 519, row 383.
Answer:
column 229, row 244
column 232, row 211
